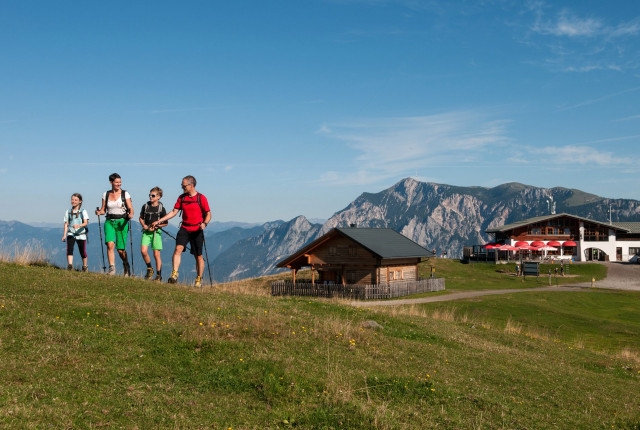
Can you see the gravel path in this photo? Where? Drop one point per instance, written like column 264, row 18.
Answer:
column 620, row 276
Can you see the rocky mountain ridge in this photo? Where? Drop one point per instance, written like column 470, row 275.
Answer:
column 437, row 216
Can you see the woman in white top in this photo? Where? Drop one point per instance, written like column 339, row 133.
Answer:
column 116, row 204
column 76, row 220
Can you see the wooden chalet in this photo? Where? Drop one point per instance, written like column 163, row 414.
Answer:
column 359, row 256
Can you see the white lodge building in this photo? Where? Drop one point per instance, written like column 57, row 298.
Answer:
column 580, row 239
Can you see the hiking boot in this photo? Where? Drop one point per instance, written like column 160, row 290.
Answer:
column 149, row 273
column 198, row 283
column 112, row 270
column 173, row 278
column 69, row 266
column 126, row 268
column 85, row 269
column 158, row 278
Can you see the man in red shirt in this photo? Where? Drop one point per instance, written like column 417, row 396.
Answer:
column 195, row 217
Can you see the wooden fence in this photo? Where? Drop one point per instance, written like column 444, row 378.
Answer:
column 355, row 291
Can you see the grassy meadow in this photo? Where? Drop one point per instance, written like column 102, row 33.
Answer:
column 84, row 350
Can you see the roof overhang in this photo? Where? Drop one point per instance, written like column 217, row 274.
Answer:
column 508, row 227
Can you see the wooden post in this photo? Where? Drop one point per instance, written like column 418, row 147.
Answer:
column 294, row 276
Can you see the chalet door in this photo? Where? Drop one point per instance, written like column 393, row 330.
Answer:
column 329, row 276
column 618, row 254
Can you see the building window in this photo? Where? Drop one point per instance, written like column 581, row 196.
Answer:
column 596, row 233
column 333, row 250
column 633, row 251
column 353, row 251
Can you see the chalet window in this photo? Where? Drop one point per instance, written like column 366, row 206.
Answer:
column 353, row 251
column 333, row 250
column 535, row 231
column 595, row 233
column 396, row 275
column 635, row 251
column 567, row 231
column 553, row 231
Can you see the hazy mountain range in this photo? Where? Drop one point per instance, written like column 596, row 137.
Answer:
column 437, row 216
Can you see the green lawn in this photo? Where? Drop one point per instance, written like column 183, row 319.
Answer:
column 486, row 276
column 87, row 351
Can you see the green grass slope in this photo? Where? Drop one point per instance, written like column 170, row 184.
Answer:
column 87, row 351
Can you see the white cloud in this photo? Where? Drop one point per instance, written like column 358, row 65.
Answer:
column 626, row 29
column 572, row 26
column 629, row 118
column 389, row 147
column 577, row 154
column 599, row 99
column 582, row 44
column 566, row 24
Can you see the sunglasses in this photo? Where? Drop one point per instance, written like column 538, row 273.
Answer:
column 152, row 195
column 184, row 185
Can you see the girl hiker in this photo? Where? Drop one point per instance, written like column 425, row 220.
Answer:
column 151, row 235
column 76, row 220
column 116, row 204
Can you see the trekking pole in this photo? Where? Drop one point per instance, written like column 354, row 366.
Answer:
column 173, row 237
column 204, row 242
column 133, row 270
column 104, row 268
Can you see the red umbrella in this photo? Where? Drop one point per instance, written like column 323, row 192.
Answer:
column 569, row 243
column 508, row 248
column 521, row 243
column 547, row 248
column 492, row 245
column 553, row 243
column 537, row 243
column 528, row 248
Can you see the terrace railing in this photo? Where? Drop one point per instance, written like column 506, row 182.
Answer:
column 357, row 291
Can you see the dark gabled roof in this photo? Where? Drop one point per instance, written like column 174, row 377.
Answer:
column 512, row 226
column 382, row 242
column 631, row 227
column 385, row 242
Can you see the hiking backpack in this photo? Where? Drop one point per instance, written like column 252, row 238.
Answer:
column 146, row 207
column 182, row 202
column 70, row 218
column 122, row 197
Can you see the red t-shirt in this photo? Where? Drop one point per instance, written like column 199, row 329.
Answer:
column 192, row 215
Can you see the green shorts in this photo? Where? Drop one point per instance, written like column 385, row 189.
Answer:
column 115, row 230
column 152, row 238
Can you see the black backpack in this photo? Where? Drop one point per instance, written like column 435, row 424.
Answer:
column 146, row 207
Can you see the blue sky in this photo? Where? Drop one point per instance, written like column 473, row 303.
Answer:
column 286, row 108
